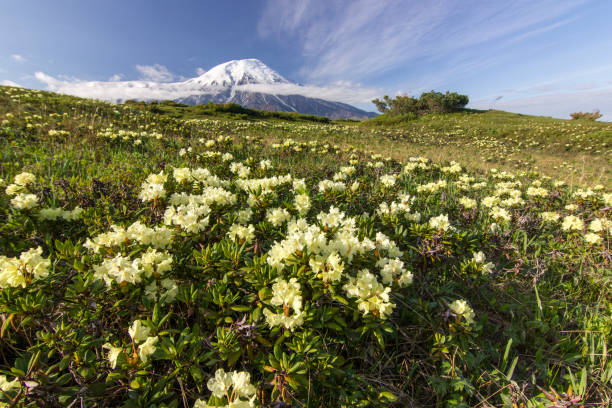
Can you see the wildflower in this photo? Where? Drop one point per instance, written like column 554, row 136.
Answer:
column 592, row 238
column 138, row 331
column 393, row 269
column 499, row 213
column 329, row 185
column 24, row 201
column 302, row 203
column 489, row 201
column 182, row 174
column 241, row 233
column 240, row 169
column 537, row 192
column 461, row 309
column 479, row 257
column 388, row 180
column 21, row 271
column 265, row 165
column 453, row 168
column 596, row 225
column 550, row 216
column 119, row 269
column 243, row 216
column 146, row 349
column 113, row 354
column 239, row 382
column 287, row 294
column 371, row 295
column 439, row 223
column 24, row 179
column 277, row 216
column 572, row 223
column 467, row 202
column 330, row 269
column 13, row 189
column 299, row 185
column 331, row 219
column 242, row 384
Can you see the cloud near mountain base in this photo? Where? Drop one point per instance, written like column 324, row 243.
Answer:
column 118, row 91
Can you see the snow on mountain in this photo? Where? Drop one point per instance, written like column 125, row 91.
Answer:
column 248, row 82
column 238, row 72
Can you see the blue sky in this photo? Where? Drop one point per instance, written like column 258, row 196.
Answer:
column 548, row 57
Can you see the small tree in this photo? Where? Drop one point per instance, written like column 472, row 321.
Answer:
column 586, row 115
column 428, row 102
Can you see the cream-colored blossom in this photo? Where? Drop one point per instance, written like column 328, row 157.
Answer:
column 24, row 201
column 461, row 309
column 139, row 331
column 572, row 223
column 113, row 354
column 146, row 349
column 439, row 223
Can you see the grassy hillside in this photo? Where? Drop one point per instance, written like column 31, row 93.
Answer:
column 577, row 152
column 156, row 261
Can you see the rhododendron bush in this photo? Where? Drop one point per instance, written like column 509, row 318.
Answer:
column 206, row 266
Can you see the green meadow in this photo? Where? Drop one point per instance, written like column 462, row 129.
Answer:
column 159, row 255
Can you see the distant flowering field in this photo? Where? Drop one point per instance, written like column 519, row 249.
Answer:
column 147, row 261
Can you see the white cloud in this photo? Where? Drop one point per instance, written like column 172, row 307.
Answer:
column 8, row 82
column 558, row 105
column 18, row 58
column 116, row 91
column 362, row 38
column 155, row 72
column 115, row 77
column 338, row 91
column 200, row 71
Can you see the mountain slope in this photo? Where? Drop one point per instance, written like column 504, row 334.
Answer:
column 228, row 82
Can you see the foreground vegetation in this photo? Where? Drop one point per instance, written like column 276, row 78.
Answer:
column 148, row 261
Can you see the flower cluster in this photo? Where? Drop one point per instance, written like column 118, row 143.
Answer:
column 21, row 271
column 23, row 199
column 462, row 310
column 158, row 237
column 123, row 270
column 286, row 294
column 234, row 386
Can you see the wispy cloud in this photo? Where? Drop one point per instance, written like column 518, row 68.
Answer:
column 8, row 82
column 559, row 104
column 362, row 38
column 200, row 71
column 155, row 72
column 18, row 58
column 115, row 77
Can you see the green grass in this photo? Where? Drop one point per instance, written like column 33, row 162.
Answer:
column 542, row 316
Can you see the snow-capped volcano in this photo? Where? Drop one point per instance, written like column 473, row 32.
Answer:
column 247, row 82
column 238, row 72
